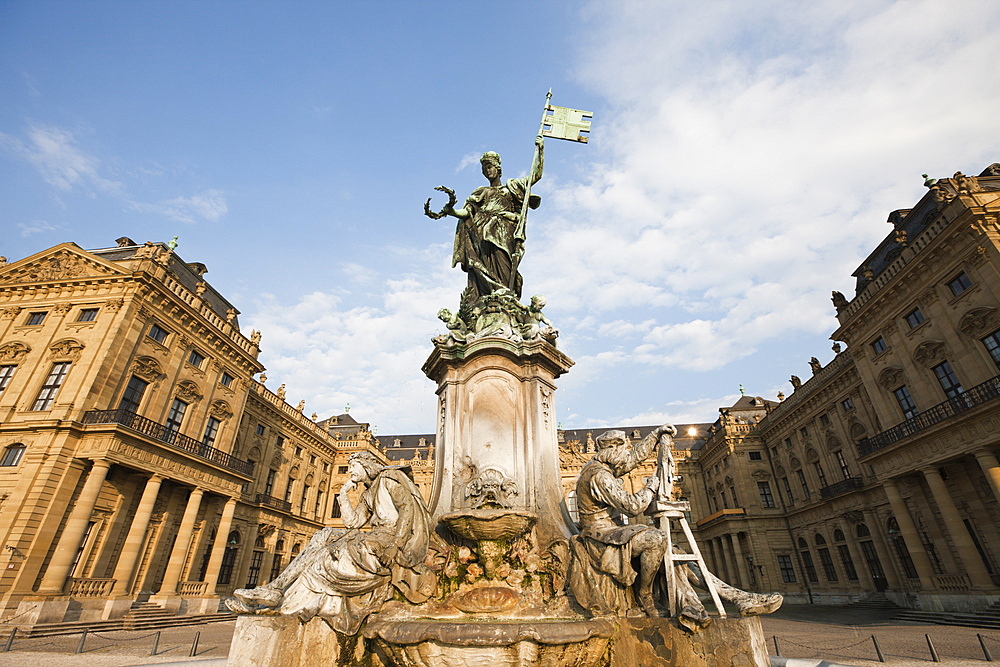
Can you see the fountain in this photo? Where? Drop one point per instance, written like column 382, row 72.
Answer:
column 481, row 574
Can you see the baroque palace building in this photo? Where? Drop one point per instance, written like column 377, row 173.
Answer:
column 143, row 458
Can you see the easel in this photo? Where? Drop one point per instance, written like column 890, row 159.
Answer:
column 668, row 511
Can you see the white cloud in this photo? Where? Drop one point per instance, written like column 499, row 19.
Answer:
column 35, row 227
column 209, row 206
column 55, row 153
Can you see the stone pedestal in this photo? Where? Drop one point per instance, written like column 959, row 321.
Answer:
column 264, row 641
column 496, row 410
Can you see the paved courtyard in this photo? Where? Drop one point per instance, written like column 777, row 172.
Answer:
column 837, row 634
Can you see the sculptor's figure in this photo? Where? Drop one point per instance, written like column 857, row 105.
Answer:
column 457, row 331
column 345, row 576
column 489, row 239
column 603, row 574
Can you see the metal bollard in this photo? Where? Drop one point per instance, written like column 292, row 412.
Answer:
column 986, row 651
column 878, row 650
column 13, row 631
column 777, row 649
column 83, row 640
column 930, row 645
column 194, row 644
column 156, row 643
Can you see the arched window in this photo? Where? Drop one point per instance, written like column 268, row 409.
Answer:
column 572, row 507
column 838, row 535
column 296, row 549
column 229, row 558
column 819, row 539
column 803, row 544
column 12, row 455
column 862, row 530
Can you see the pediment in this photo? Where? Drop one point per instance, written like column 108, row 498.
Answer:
column 66, row 261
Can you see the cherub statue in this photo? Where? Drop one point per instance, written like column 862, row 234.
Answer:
column 535, row 324
column 457, row 331
column 281, row 391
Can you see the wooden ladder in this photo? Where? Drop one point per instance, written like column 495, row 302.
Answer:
column 667, row 512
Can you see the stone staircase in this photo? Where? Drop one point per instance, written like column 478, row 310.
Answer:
column 877, row 601
column 142, row 616
column 986, row 618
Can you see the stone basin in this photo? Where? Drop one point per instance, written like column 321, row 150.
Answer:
column 492, row 524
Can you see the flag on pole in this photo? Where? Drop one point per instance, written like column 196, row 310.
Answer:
column 566, row 123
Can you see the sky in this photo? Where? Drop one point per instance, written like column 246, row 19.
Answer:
column 742, row 163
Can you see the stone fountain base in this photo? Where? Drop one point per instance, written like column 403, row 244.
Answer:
column 262, row 641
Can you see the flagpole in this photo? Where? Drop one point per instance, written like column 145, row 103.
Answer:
column 519, row 232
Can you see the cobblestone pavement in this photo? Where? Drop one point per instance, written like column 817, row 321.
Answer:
column 843, row 635
column 837, row 634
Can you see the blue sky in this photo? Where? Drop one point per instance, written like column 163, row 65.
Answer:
column 743, row 160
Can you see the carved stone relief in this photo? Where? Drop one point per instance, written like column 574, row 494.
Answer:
column 220, row 410
column 979, row 321
column 188, row 391
column 9, row 312
column 890, row 378
column 929, row 352
column 14, row 351
column 147, row 368
column 113, row 305
column 67, row 348
column 61, row 265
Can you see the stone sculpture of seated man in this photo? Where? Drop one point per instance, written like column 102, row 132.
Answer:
column 602, row 573
column 343, row 576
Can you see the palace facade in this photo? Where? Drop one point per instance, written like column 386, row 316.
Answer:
column 143, row 457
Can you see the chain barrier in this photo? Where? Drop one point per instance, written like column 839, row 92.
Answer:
column 28, row 611
column 838, row 647
column 120, row 639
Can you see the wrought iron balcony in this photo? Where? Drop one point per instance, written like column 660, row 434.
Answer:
column 271, row 501
column 953, row 407
column 843, row 486
column 175, row 439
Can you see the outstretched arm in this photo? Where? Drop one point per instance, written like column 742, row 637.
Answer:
column 641, row 451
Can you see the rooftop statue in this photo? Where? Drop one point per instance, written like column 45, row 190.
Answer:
column 601, row 574
column 343, row 577
column 490, row 235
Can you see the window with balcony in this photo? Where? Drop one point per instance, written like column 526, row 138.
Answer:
column 87, row 315
column 906, row 403
column 132, row 398
column 211, row 431
column 948, row 380
column 269, row 482
column 819, row 474
column 176, row 415
column 51, row 387
column 914, row 318
column 992, row 343
column 842, row 462
column 959, row 284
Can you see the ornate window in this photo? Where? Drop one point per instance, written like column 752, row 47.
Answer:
column 906, row 403
column 12, row 455
column 766, row 498
column 87, row 315
column 211, row 431
column 158, row 333
column 914, row 318
column 879, row 345
column 959, row 283
column 196, row 358
column 51, row 387
column 948, row 380
column 35, row 319
column 6, row 373
column 992, row 343
column 176, row 416
column 132, row 397
column 226, row 380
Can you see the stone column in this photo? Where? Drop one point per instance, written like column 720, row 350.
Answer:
column 968, row 557
column 988, row 462
column 179, row 554
column 73, row 533
column 910, row 535
column 219, row 548
column 741, row 566
column 709, row 553
column 725, row 558
column 882, row 550
column 135, row 538
column 860, row 566
column 731, row 571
